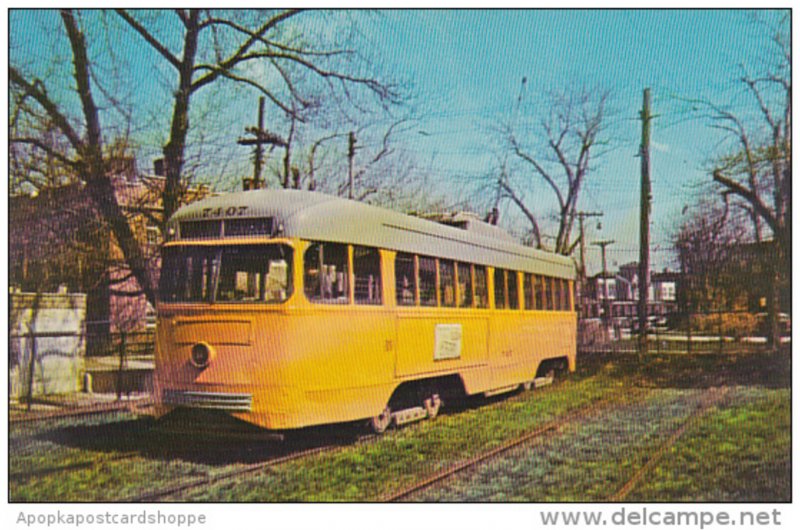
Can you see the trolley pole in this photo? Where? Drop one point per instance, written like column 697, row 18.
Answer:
column 644, row 223
column 606, row 302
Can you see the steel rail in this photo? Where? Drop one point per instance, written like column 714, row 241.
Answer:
column 712, row 397
column 516, row 442
column 117, row 406
column 246, row 470
column 24, row 475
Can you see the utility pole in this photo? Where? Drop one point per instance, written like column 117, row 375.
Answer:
column 351, row 153
column 581, row 217
column 261, row 137
column 606, row 302
column 644, row 223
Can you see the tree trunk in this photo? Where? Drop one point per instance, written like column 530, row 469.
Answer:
column 102, row 193
column 93, row 167
column 773, row 302
column 174, row 150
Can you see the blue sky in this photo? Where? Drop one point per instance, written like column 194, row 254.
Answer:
column 467, row 67
column 471, row 64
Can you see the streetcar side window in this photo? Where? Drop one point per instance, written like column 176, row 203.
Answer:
column 562, row 289
column 447, row 282
column 538, row 292
column 427, row 281
column 557, row 293
column 527, row 290
column 513, row 293
column 568, row 291
column 405, row 279
column 548, row 293
column 464, row 285
column 367, row 275
column 481, row 288
column 325, row 273
column 500, row 301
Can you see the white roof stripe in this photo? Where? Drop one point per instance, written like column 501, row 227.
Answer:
column 319, row 217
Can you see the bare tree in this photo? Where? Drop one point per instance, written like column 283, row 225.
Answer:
column 85, row 153
column 757, row 169
column 559, row 152
column 257, row 50
column 707, row 243
column 255, row 39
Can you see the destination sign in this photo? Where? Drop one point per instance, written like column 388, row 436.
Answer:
column 228, row 211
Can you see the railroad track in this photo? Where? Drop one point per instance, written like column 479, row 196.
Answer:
column 249, row 469
column 528, row 437
column 117, row 406
column 712, row 397
column 25, row 475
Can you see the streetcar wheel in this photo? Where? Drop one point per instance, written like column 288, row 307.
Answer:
column 432, row 405
column 381, row 422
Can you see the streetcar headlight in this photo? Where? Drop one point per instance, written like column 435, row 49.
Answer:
column 201, row 355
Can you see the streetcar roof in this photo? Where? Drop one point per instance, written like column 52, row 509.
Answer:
column 316, row 216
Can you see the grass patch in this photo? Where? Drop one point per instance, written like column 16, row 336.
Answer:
column 587, row 461
column 364, row 472
column 741, row 452
column 78, row 459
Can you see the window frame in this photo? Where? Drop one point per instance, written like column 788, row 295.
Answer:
column 547, row 284
column 414, row 280
column 378, row 281
column 470, row 286
column 513, row 301
column 202, row 270
column 426, row 302
column 501, row 275
column 346, row 276
column 477, row 294
column 442, row 287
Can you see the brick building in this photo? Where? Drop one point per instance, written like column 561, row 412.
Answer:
column 57, row 239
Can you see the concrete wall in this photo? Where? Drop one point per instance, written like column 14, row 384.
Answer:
column 58, row 321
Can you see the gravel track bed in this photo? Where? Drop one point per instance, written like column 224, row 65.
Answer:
column 594, row 456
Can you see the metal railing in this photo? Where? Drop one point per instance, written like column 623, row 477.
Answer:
column 701, row 332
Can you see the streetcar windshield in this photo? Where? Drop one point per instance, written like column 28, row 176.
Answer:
column 226, row 274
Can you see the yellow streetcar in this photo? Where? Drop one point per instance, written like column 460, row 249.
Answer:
column 288, row 309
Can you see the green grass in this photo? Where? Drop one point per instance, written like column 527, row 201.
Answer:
column 587, row 461
column 739, row 452
column 400, row 458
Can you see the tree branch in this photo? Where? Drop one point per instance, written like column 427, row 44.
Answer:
column 531, row 217
column 37, row 92
column 36, row 142
column 151, row 40
column 539, row 169
column 239, row 55
column 239, row 79
column 81, row 63
column 750, row 196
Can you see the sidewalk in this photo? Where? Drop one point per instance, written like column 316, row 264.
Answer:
column 44, row 406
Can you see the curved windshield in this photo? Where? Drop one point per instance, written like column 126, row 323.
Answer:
column 231, row 273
